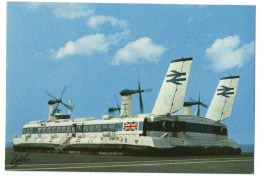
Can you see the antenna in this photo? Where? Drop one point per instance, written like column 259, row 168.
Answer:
column 70, row 109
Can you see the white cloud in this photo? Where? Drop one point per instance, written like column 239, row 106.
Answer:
column 95, row 21
column 73, row 11
column 89, row 45
column 226, row 53
column 86, row 45
column 141, row 49
column 64, row 10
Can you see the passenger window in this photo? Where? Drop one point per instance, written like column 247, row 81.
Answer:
column 104, row 128
column 35, row 130
column 31, row 130
column 91, row 128
column 78, row 128
column 49, row 130
column 173, row 125
column 140, row 126
column 98, row 128
column 24, row 130
column 54, row 129
column 58, row 129
column 164, row 125
column 44, row 130
column 85, row 128
column 27, row 130
column 119, row 126
column 111, row 127
column 69, row 129
column 39, row 130
column 64, row 129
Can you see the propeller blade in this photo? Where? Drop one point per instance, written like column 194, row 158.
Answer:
column 63, row 91
column 117, row 103
column 140, row 97
column 141, row 102
column 148, row 90
column 204, row 105
column 67, row 106
column 192, row 100
column 118, row 107
column 50, row 95
column 198, row 113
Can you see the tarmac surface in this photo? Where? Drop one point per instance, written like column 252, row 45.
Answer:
column 22, row 161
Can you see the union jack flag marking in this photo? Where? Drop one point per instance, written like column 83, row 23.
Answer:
column 130, row 126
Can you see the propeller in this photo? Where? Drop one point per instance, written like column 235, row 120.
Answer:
column 139, row 90
column 112, row 110
column 198, row 103
column 58, row 101
column 140, row 96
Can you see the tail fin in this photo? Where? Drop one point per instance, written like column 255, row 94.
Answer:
column 222, row 103
column 172, row 93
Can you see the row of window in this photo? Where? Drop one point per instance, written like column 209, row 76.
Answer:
column 79, row 129
column 167, row 126
column 170, row 126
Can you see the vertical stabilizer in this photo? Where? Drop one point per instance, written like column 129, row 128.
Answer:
column 172, row 93
column 222, row 103
column 126, row 106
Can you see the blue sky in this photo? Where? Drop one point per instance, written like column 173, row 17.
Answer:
column 96, row 50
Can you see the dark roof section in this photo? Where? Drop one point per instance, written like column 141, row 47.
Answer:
column 230, row 77
column 182, row 59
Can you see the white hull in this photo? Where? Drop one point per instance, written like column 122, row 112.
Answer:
column 151, row 142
